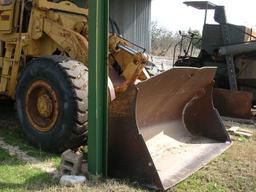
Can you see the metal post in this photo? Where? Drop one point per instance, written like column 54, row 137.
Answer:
column 98, row 101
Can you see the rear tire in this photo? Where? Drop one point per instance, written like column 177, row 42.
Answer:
column 51, row 102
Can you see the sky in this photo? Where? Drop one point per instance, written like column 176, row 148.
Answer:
column 174, row 15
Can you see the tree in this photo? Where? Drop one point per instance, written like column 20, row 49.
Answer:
column 163, row 41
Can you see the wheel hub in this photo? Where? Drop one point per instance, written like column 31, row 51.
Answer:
column 42, row 106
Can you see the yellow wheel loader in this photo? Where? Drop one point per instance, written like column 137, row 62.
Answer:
column 161, row 129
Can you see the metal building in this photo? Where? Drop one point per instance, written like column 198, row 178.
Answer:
column 134, row 20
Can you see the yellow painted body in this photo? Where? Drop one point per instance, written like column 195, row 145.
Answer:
column 55, row 28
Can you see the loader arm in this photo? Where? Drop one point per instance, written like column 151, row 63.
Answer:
column 126, row 64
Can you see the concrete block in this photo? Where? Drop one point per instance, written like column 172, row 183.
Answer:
column 71, row 163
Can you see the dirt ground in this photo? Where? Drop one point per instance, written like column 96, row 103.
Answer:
column 24, row 168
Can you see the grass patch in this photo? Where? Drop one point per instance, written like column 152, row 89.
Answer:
column 17, row 138
column 233, row 171
column 198, row 183
column 16, row 175
column 106, row 186
column 12, row 134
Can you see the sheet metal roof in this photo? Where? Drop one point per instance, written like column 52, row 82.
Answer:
column 200, row 4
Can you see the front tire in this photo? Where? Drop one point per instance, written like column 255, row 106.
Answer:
column 52, row 102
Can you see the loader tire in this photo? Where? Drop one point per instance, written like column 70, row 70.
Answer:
column 52, row 102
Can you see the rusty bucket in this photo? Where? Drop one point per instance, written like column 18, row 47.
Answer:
column 234, row 104
column 166, row 128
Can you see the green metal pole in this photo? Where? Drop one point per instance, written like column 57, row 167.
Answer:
column 98, row 78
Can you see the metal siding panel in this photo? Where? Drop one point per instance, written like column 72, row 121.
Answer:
column 134, row 20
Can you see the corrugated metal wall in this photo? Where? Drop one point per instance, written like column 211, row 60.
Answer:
column 134, row 20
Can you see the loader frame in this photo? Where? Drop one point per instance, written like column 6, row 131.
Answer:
column 21, row 44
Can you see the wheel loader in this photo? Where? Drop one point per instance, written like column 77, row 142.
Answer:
column 161, row 129
column 232, row 49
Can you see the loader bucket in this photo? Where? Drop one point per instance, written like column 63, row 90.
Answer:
column 164, row 129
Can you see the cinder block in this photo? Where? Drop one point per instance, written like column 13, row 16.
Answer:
column 71, row 163
column 84, row 169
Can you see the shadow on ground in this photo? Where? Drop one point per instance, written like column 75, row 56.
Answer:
column 8, row 117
